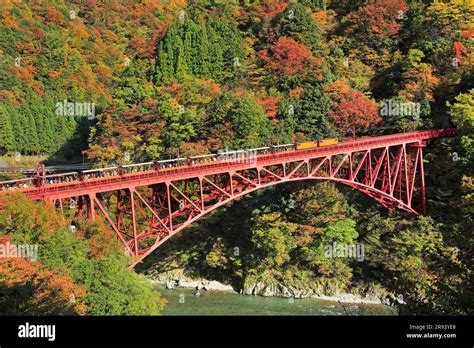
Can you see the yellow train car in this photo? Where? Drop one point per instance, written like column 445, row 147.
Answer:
column 306, row 145
column 320, row 143
column 327, row 142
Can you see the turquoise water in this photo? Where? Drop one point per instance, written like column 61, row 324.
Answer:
column 184, row 302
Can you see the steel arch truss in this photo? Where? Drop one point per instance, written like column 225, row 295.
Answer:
column 144, row 217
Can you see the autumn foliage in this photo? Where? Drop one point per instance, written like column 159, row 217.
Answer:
column 459, row 50
column 190, row 77
column 270, row 104
column 288, row 57
column 78, row 273
column 354, row 111
column 377, row 21
column 29, row 288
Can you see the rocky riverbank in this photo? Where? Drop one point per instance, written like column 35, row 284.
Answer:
column 278, row 290
column 178, row 279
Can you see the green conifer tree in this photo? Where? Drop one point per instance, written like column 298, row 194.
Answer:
column 7, row 140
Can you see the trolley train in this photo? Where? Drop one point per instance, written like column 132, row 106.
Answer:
column 158, row 166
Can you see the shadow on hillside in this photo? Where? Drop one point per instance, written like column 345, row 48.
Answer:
column 71, row 151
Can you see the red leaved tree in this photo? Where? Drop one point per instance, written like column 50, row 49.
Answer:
column 459, row 49
column 267, row 9
column 354, row 111
column 376, row 22
column 288, row 57
column 270, row 104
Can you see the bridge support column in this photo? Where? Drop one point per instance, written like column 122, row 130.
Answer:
column 423, row 188
column 119, row 209
column 168, row 198
column 134, row 220
column 201, row 195
column 91, row 207
column 231, row 183
column 80, row 205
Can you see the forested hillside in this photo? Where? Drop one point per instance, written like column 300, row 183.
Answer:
column 189, row 77
column 208, row 74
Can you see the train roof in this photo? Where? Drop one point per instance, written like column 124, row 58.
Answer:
column 137, row 164
column 98, row 170
column 202, row 156
column 259, row 148
column 16, row 180
column 59, row 175
column 172, row 160
column 284, row 145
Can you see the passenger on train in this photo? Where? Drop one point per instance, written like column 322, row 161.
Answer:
column 221, row 156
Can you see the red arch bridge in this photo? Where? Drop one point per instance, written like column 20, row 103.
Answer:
column 148, row 207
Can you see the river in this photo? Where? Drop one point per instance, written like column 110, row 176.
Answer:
column 182, row 301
